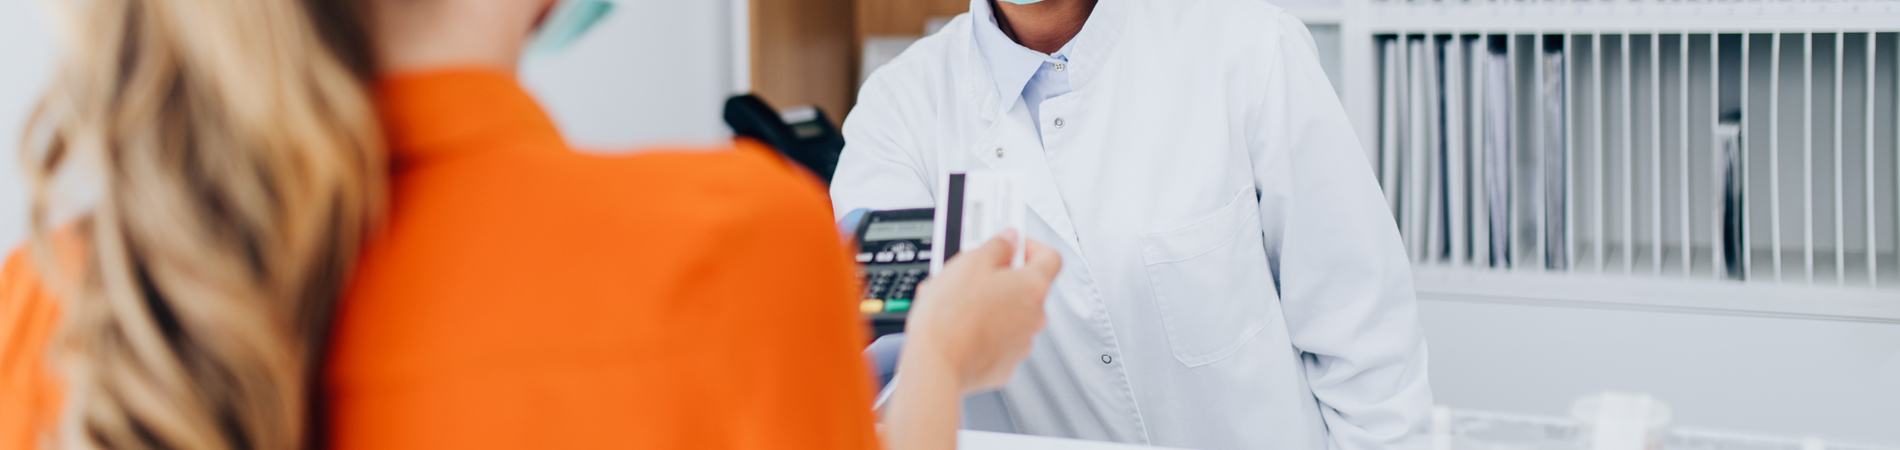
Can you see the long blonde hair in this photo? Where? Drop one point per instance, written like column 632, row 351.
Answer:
column 239, row 168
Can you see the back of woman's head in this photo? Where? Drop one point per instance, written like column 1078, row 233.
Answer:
column 237, row 168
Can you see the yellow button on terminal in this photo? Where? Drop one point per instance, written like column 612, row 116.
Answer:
column 871, row 306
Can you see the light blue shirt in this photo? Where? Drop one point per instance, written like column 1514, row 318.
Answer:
column 1019, row 71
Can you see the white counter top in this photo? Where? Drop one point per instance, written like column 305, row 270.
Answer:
column 984, row 440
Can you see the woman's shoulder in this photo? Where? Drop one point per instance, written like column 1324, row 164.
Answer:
column 745, row 174
column 18, row 278
column 28, row 318
column 27, row 297
column 742, row 160
column 667, row 183
column 25, row 308
column 27, row 315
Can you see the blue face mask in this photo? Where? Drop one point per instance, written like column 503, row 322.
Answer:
column 566, row 24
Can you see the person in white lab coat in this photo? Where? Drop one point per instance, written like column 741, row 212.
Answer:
column 1234, row 279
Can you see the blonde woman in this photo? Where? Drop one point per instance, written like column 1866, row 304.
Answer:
column 315, row 230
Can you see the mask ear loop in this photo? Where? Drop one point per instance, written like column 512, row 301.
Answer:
column 565, row 24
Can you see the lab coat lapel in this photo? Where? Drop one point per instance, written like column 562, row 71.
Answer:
column 1009, row 144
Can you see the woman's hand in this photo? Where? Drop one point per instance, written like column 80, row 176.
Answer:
column 979, row 314
column 972, row 324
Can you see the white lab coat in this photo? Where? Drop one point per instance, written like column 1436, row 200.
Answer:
column 1231, row 275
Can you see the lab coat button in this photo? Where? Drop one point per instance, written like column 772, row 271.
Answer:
column 1107, row 359
column 1058, row 122
column 999, row 152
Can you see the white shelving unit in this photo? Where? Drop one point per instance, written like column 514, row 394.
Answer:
column 1623, row 102
column 1459, row 429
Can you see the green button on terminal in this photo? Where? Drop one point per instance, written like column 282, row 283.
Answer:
column 897, row 305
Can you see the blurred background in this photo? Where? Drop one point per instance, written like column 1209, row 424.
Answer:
column 1641, row 289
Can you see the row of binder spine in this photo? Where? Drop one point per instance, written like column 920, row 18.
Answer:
column 1749, row 156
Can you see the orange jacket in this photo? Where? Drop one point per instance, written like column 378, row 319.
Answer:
column 522, row 295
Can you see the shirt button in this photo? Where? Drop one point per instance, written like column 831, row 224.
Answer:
column 1058, row 122
column 999, row 152
column 1107, row 359
column 1060, row 66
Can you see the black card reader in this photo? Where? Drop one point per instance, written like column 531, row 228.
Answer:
column 893, row 257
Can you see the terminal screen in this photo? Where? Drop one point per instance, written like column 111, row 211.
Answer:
column 908, row 229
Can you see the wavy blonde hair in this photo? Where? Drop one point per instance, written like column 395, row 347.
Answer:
column 239, row 168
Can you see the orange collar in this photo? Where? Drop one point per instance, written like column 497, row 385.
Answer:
column 427, row 115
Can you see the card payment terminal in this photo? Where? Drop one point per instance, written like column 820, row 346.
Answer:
column 893, row 257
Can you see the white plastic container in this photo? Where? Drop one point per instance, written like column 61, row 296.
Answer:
column 1621, row 421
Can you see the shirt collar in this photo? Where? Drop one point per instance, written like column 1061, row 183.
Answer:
column 1011, row 65
column 1086, row 53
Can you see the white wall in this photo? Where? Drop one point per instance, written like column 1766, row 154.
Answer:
column 26, row 60
column 1760, row 375
column 653, row 72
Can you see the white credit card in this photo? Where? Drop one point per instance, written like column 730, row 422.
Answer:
column 974, row 207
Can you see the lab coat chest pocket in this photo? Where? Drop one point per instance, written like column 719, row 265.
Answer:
column 1211, row 281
